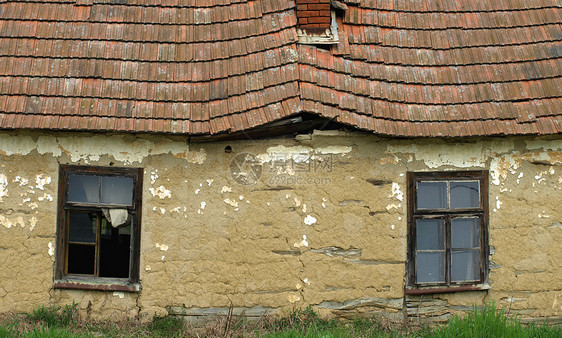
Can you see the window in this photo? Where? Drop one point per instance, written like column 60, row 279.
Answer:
column 447, row 231
column 98, row 228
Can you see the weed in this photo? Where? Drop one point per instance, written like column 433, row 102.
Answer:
column 167, row 326
column 301, row 323
column 55, row 316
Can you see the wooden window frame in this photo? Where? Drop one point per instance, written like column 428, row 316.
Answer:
column 413, row 287
column 63, row 280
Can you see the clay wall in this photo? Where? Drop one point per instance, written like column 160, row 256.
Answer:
column 324, row 224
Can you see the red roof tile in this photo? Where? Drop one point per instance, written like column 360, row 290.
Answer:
column 401, row 68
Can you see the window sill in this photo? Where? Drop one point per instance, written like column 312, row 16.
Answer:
column 446, row 289
column 97, row 284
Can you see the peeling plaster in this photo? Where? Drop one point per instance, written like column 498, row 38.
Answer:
column 119, row 294
column 293, row 298
column 498, row 204
column 309, row 220
column 555, row 145
column 460, row 155
column 45, row 197
column 519, row 177
column 230, row 202
column 393, row 206
column 21, row 180
column 153, row 176
column 41, row 182
column 3, row 186
column 91, row 148
column 297, row 201
column 302, row 243
column 393, row 159
column 501, row 166
column 32, row 223
column 9, row 223
column 161, row 192
column 16, row 144
column 396, row 192
column 226, row 189
column 299, row 154
column 51, row 251
column 162, row 247
column 540, row 177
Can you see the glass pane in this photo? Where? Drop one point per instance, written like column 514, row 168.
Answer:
column 430, row 267
column 83, row 188
column 465, row 232
column 430, row 234
column 117, row 190
column 465, row 266
column 432, row 195
column 82, row 227
column 81, row 259
column 465, row 194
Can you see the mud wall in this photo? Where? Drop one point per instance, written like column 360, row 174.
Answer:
column 323, row 223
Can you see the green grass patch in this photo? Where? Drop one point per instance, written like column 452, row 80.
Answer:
column 491, row 322
column 168, row 326
column 55, row 316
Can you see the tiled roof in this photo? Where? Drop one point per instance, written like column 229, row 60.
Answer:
column 401, row 68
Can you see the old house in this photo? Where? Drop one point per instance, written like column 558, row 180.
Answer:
column 363, row 157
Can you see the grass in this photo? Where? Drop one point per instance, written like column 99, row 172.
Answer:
column 491, row 322
column 52, row 321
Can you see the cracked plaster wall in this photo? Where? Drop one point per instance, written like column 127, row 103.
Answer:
column 332, row 235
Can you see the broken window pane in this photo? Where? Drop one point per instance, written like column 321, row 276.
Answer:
column 430, row 267
column 83, row 188
column 432, row 195
column 465, row 232
column 81, row 259
column 117, row 190
column 430, row 234
column 82, row 227
column 465, row 265
column 465, row 194
column 115, row 250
